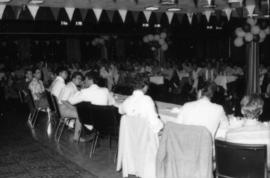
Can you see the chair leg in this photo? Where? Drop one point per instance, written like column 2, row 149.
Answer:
column 115, row 155
column 57, row 129
column 61, row 132
column 35, row 118
column 29, row 120
column 93, row 145
column 110, row 142
column 32, row 116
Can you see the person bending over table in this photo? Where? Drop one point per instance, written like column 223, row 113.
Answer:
column 203, row 112
column 93, row 93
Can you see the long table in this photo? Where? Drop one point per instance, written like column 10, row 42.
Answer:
column 166, row 111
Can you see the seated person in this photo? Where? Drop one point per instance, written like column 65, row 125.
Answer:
column 203, row 112
column 249, row 130
column 139, row 104
column 91, row 93
column 59, row 82
column 37, row 89
column 65, row 108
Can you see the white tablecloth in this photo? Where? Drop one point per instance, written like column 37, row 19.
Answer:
column 167, row 111
column 158, row 80
column 222, row 80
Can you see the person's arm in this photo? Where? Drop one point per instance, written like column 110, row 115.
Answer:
column 155, row 123
column 77, row 97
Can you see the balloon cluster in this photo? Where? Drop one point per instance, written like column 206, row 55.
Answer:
column 251, row 31
column 156, row 41
column 99, row 41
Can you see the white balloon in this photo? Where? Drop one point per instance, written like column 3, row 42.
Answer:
column 150, row 37
column 164, row 47
column 267, row 31
column 161, row 41
column 251, row 21
column 261, row 40
column 238, row 42
column 145, row 39
column 156, row 37
column 248, row 37
column 255, row 30
column 239, row 32
column 163, row 35
column 262, row 34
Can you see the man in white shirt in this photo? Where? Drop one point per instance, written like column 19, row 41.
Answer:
column 59, row 83
column 66, row 109
column 203, row 112
column 91, row 93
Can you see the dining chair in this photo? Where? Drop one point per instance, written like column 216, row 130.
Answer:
column 104, row 119
column 34, row 110
column 234, row 160
column 62, row 121
column 52, row 107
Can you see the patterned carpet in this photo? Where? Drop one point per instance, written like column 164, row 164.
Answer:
column 23, row 157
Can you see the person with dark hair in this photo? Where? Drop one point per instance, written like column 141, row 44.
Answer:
column 59, row 82
column 203, row 112
column 140, row 104
column 91, row 93
column 37, row 89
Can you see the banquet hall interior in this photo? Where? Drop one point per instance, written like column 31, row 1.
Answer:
column 134, row 88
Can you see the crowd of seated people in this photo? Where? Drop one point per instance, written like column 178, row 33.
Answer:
column 181, row 80
column 95, row 82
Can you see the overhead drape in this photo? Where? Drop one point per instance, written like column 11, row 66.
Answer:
column 252, row 52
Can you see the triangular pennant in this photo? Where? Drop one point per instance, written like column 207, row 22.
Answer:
column 17, row 11
column 207, row 14
column 55, row 12
column 123, row 14
column 170, row 16
column 228, row 12
column 83, row 13
column 33, row 10
column 110, row 14
column 2, row 9
column 250, row 9
column 147, row 15
column 190, row 17
column 70, row 12
column 135, row 15
column 97, row 13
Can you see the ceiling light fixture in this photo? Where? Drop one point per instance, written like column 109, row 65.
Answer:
column 211, row 6
column 168, row 2
column 152, row 8
column 4, row 1
column 266, row 16
column 174, row 9
column 36, row 1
